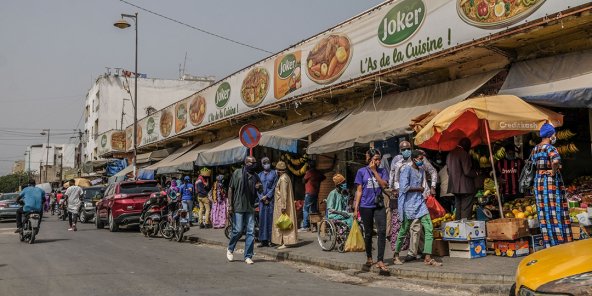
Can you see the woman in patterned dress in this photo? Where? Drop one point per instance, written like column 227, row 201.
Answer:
column 219, row 201
column 549, row 191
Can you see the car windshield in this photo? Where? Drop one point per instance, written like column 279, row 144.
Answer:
column 8, row 196
column 89, row 193
column 133, row 188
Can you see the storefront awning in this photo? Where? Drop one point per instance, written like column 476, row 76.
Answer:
column 185, row 161
column 383, row 118
column 286, row 138
column 153, row 156
column 125, row 171
column 558, row 81
column 222, row 153
column 167, row 160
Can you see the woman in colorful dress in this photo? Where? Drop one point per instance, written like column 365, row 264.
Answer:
column 219, row 201
column 549, row 190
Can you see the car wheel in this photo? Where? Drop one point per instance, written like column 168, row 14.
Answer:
column 513, row 290
column 98, row 223
column 113, row 227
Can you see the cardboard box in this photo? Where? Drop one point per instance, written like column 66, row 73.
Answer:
column 516, row 248
column 464, row 230
column 440, row 248
column 580, row 232
column 437, row 234
column 507, row 229
column 467, row 249
column 537, row 243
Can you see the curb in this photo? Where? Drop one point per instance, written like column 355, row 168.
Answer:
column 483, row 283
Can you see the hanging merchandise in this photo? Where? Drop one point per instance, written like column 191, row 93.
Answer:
column 297, row 166
column 296, row 161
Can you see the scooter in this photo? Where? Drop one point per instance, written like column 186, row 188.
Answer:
column 63, row 210
column 176, row 223
column 150, row 219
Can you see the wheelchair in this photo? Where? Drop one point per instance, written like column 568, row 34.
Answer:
column 333, row 233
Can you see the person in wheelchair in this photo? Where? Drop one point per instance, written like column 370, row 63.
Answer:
column 337, row 202
column 31, row 199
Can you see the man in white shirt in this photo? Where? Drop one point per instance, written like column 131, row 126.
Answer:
column 73, row 198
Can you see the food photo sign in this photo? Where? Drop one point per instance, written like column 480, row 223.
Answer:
column 388, row 35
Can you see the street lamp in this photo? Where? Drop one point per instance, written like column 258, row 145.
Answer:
column 123, row 24
column 43, row 133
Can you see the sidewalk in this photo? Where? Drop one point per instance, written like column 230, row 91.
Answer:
column 491, row 270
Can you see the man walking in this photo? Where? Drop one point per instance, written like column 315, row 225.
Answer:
column 242, row 197
column 461, row 176
column 33, row 197
column 72, row 196
column 186, row 190
column 312, row 185
column 268, row 179
column 202, row 187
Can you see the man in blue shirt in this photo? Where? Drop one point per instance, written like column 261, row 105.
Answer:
column 32, row 197
column 186, row 190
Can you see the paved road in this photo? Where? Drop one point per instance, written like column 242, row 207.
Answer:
column 97, row 262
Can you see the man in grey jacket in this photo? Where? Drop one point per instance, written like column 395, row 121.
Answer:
column 461, row 174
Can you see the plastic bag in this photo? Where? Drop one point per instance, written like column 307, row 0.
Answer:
column 435, row 208
column 355, row 240
column 284, row 222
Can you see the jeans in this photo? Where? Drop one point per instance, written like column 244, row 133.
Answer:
column 188, row 205
column 19, row 217
column 239, row 221
column 72, row 218
column 369, row 217
column 310, row 206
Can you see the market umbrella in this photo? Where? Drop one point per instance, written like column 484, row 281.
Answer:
column 483, row 120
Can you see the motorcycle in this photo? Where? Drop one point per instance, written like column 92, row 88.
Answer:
column 53, row 208
column 30, row 228
column 176, row 223
column 63, row 211
column 151, row 217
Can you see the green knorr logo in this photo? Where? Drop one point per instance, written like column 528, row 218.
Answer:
column 104, row 141
column 222, row 95
column 287, row 66
column 150, row 125
column 401, row 22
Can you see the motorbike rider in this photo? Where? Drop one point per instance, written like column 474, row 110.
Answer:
column 33, row 198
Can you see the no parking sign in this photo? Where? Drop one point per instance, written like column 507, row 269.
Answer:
column 249, row 136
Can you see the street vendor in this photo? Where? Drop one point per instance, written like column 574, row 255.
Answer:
column 508, row 170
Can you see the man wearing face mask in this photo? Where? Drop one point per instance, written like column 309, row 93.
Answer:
column 242, row 199
column 337, row 201
column 268, row 179
column 412, row 206
column 509, row 170
column 461, row 174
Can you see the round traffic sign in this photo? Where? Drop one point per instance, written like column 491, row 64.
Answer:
column 249, row 135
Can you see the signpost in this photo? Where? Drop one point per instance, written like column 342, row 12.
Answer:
column 249, row 136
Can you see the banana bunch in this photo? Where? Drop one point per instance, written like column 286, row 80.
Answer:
column 565, row 134
column 474, row 155
column 500, row 154
column 484, row 162
column 567, row 149
column 298, row 172
column 295, row 161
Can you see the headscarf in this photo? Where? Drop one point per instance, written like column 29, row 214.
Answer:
column 547, row 130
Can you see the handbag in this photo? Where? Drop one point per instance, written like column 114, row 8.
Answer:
column 380, row 199
column 527, row 175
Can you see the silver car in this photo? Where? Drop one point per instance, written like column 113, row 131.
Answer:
column 8, row 206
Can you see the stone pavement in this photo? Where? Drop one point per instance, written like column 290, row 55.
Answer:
column 491, row 270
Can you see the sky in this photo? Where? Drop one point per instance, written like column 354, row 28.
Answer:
column 51, row 52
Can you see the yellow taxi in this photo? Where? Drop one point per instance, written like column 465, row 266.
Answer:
column 561, row 270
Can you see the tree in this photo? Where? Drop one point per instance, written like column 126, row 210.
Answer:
column 11, row 182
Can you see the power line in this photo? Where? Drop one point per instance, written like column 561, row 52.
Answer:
column 57, row 98
column 196, row 28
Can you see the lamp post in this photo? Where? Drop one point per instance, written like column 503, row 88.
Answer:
column 122, row 24
column 44, row 132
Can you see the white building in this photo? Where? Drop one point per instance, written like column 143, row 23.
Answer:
column 57, row 156
column 109, row 101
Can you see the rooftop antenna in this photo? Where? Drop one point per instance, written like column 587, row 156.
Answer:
column 182, row 69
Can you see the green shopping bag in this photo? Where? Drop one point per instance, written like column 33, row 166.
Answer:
column 284, row 222
column 355, row 240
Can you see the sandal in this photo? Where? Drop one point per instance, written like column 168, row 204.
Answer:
column 433, row 263
column 369, row 262
column 382, row 267
column 397, row 260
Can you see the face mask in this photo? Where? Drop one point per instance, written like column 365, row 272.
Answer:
column 343, row 186
column 250, row 167
column 553, row 140
column 419, row 163
column 267, row 166
column 406, row 154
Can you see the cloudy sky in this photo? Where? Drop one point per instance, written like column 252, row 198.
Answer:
column 52, row 51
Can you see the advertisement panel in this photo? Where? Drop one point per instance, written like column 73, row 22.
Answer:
column 110, row 141
column 386, row 36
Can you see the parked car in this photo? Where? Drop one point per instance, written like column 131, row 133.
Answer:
column 561, row 270
column 90, row 197
column 122, row 203
column 8, row 206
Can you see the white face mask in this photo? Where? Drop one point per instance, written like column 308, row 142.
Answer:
column 553, row 140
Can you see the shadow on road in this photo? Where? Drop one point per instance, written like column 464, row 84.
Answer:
column 42, row 241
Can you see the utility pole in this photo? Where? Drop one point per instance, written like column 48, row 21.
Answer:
column 40, row 164
column 61, row 167
column 79, row 153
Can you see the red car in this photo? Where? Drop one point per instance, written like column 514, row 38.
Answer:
column 122, row 203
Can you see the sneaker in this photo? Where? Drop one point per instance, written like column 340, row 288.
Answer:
column 281, row 247
column 303, row 229
column 249, row 261
column 70, row 229
column 229, row 255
